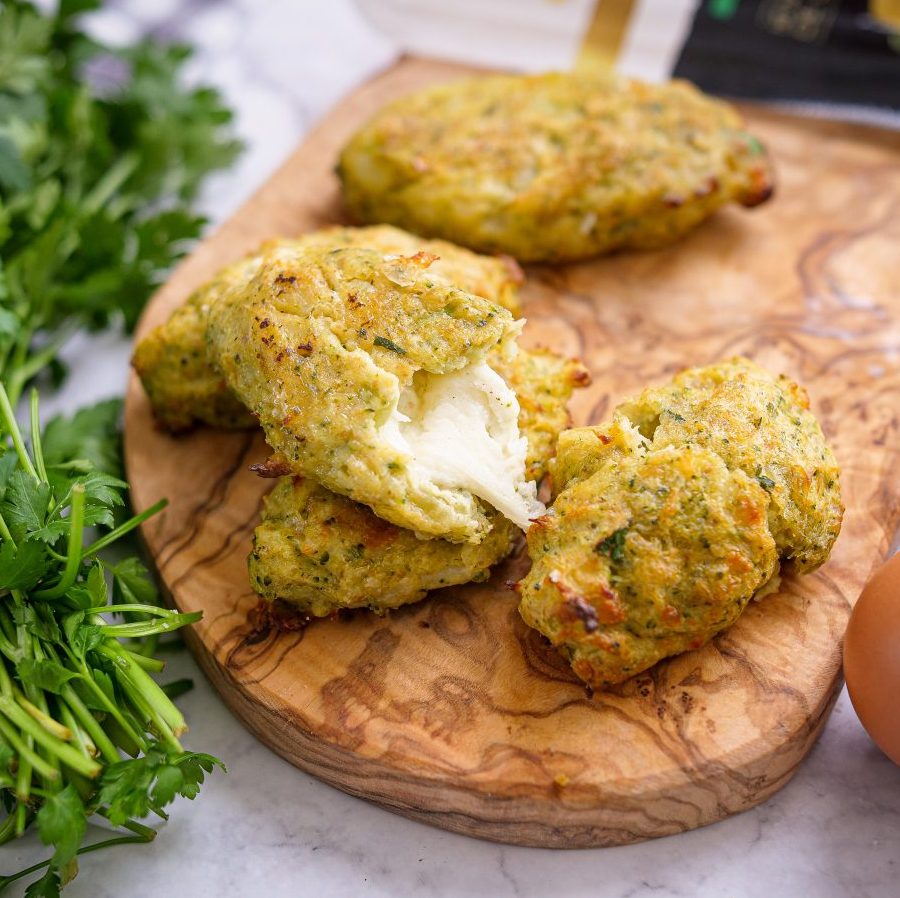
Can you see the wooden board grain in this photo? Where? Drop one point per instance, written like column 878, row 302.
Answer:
column 452, row 711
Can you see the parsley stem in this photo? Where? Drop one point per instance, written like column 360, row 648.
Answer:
column 4, row 532
column 91, row 725
column 104, row 702
column 44, row 719
column 120, row 738
column 154, row 610
column 7, row 635
column 148, row 663
column 109, row 184
column 54, row 554
column 9, row 419
column 85, row 716
column 23, row 781
column 151, row 716
column 79, row 736
column 28, row 367
column 21, row 817
column 7, row 833
column 6, row 686
column 36, row 449
column 137, row 838
column 147, row 833
column 65, row 752
column 26, row 754
column 136, row 630
column 73, row 554
column 122, row 529
column 145, row 688
column 14, row 877
column 8, row 649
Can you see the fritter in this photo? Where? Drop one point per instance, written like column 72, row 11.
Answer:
column 370, row 377
column 495, row 277
column 760, row 424
column 577, row 455
column 554, row 167
column 323, row 552
column 183, row 386
column 172, row 363
column 543, row 382
column 651, row 555
column 668, row 519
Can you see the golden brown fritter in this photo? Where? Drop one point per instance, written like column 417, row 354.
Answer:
column 553, row 167
column 651, row 555
column 543, row 382
column 578, row 452
column 183, row 386
column 497, row 278
column 760, row 424
column 362, row 369
column 172, row 363
column 323, row 552
column 669, row 518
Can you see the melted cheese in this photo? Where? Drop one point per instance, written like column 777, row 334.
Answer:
column 461, row 431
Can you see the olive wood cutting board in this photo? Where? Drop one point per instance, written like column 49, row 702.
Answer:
column 451, row 711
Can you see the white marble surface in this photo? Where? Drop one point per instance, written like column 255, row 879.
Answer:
column 265, row 828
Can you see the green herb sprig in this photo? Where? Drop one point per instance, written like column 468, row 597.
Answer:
column 85, row 730
column 101, row 153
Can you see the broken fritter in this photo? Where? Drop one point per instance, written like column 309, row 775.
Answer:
column 371, row 377
column 651, row 555
column 668, row 519
column 554, row 167
column 323, row 552
column 761, row 424
column 184, row 387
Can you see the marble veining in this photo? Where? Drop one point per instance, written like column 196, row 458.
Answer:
column 268, row 829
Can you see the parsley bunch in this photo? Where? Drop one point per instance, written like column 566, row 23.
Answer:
column 77, row 634
column 101, row 153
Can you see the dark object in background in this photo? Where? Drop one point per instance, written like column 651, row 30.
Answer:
column 825, row 51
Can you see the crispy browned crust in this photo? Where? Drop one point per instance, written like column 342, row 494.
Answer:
column 670, row 517
column 555, row 167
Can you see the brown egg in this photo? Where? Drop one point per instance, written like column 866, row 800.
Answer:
column 872, row 658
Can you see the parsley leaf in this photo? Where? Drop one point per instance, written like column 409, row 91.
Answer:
column 61, row 822
column 134, row 787
column 97, row 175
column 47, row 886
column 25, row 503
column 91, row 435
column 766, row 482
column 132, row 583
column 23, row 567
column 44, row 673
column 613, row 546
column 385, row 343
